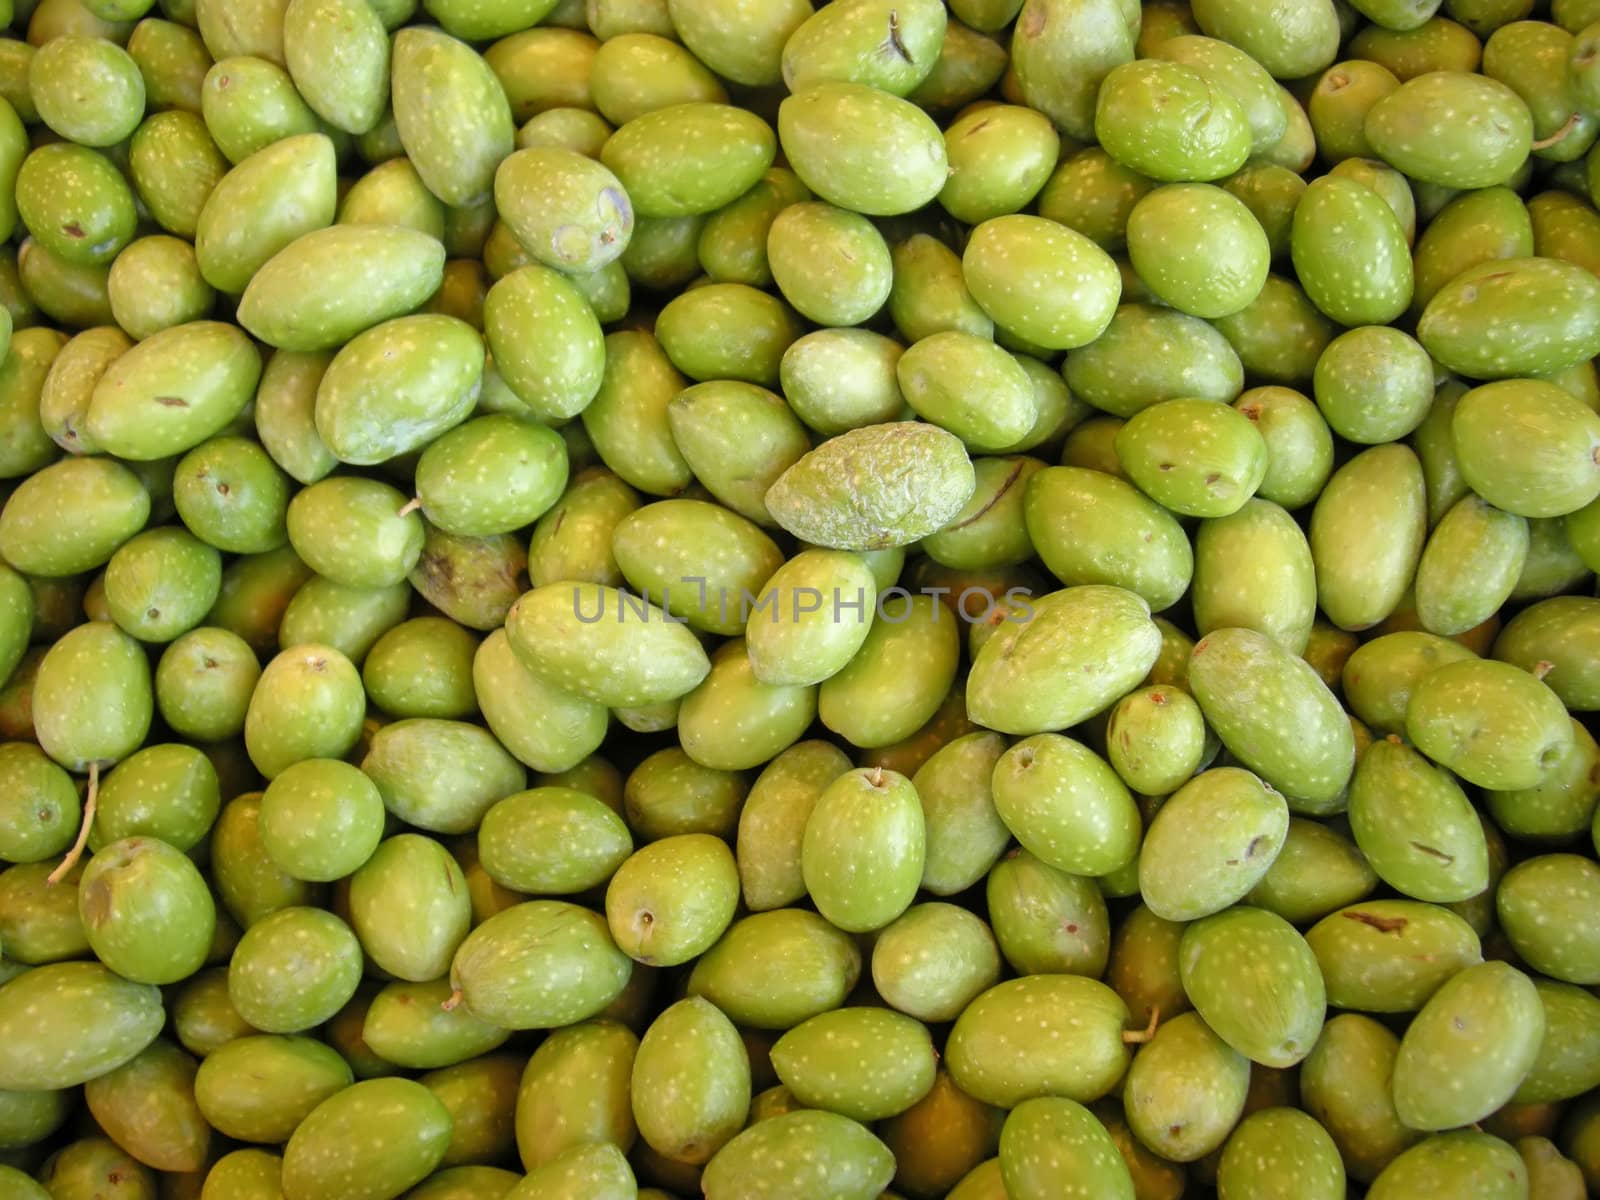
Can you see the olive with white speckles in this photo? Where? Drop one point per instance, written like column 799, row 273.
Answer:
column 452, row 114
column 738, row 439
column 543, row 726
column 539, row 965
column 1144, row 965
column 1516, row 317
column 70, row 1022
column 832, row 265
column 1465, row 1163
column 627, row 419
column 337, row 53
column 1549, row 471
column 1148, row 354
column 772, row 822
column 698, row 560
column 1469, row 1048
column 673, row 898
column 409, row 906
column 791, row 1156
column 258, row 1088
column 330, row 284
column 161, row 583
column 1047, row 921
column 246, row 1174
column 835, row 134
column 321, row 819
column 1367, row 534
column 41, row 923
column 640, row 71
column 248, row 882
column 440, row 775
column 669, row 793
column 1054, row 1147
column 1555, row 631
column 231, row 495
column 605, row 645
column 1041, row 281
column 1169, row 122
column 493, row 474
column 739, row 42
column 396, row 387
column 734, row 721
column 1471, row 564
column 790, row 644
column 1253, row 569
column 294, row 969
column 1453, row 129
column 585, row 1172
column 29, row 1117
column 1198, row 248
column 1280, row 1154
column 1390, row 955
column 886, row 44
column 369, row 1142
column 1040, row 1035
column 690, row 158
column 727, row 331
column 413, row 1025
column 933, row 960
column 575, row 1090
column 965, row 835
column 76, row 203
column 775, row 969
column 929, row 294
column 1373, row 384
column 552, row 841
column 1345, row 1085
column 863, row 849
column 1416, row 826
column 1194, row 457
column 968, row 386
column 1291, row 40
column 864, row 1063
column 1448, row 719
column 92, row 698
column 271, row 198
column 308, row 703
column 1532, row 59
column 147, row 911
column 1061, row 53
column 1065, row 804
column 1213, row 840
column 1569, row 1056
column 690, row 1082
column 1545, row 906
column 172, row 391
column 569, row 212
column 1070, row 655
column 40, row 810
column 1185, row 1089
column 1000, row 157
column 1350, row 253
column 353, row 531
column 1274, row 713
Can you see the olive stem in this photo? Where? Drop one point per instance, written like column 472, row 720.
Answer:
column 453, row 1002
column 90, row 800
column 1138, row 1037
column 410, row 506
column 1567, row 127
